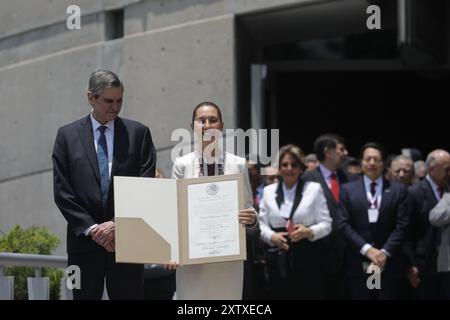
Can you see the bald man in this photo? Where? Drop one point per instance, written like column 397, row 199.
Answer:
column 424, row 239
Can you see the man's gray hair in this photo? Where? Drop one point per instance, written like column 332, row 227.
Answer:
column 402, row 157
column 405, row 158
column 101, row 80
column 310, row 157
column 419, row 165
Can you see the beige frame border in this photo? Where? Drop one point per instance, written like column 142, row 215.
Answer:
column 183, row 231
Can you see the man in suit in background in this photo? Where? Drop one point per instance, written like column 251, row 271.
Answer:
column 330, row 152
column 440, row 217
column 372, row 220
column 87, row 154
column 402, row 170
column 423, row 238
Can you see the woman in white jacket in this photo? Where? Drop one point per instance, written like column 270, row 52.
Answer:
column 223, row 280
column 293, row 218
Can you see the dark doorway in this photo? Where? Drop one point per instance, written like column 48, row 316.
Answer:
column 396, row 108
column 327, row 73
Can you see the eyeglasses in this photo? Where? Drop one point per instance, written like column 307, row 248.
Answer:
column 210, row 120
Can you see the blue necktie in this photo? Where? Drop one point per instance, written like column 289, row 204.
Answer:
column 103, row 165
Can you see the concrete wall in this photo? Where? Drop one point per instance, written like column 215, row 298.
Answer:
column 19, row 16
column 38, row 97
column 151, row 15
column 174, row 55
column 51, row 39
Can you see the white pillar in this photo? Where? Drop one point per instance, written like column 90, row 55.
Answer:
column 6, row 287
column 38, row 288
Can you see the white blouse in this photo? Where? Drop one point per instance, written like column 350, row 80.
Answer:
column 312, row 212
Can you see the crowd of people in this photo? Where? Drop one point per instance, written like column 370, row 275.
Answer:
column 330, row 218
column 316, row 227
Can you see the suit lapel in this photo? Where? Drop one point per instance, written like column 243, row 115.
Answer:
column 195, row 167
column 326, row 189
column 343, row 178
column 280, row 196
column 121, row 145
column 230, row 165
column 428, row 191
column 298, row 197
column 87, row 139
column 385, row 198
column 361, row 193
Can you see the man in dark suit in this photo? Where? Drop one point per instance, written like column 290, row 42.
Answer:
column 372, row 220
column 87, row 154
column 330, row 152
column 423, row 238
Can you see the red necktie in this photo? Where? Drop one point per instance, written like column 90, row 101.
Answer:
column 334, row 187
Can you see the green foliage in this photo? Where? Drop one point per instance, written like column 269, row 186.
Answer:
column 33, row 240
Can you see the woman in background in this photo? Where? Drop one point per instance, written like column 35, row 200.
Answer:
column 293, row 217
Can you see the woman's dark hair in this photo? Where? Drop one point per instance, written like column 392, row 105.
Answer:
column 206, row 104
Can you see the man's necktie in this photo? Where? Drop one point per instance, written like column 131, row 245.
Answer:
column 334, row 187
column 373, row 188
column 103, row 165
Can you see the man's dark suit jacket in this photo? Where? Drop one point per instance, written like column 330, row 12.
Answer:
column 387, row 233
column 333, row 243
column 77, row 179
column 423, row 238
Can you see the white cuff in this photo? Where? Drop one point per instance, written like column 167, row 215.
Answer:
column 268, row 238
column 386, row 253
column 315, row 229
column 86, row 232
column 364, row 249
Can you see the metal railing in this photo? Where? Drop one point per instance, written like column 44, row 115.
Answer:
column 38, row 287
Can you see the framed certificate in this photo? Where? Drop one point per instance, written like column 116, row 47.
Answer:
column 190, row 221
column 209, row 228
